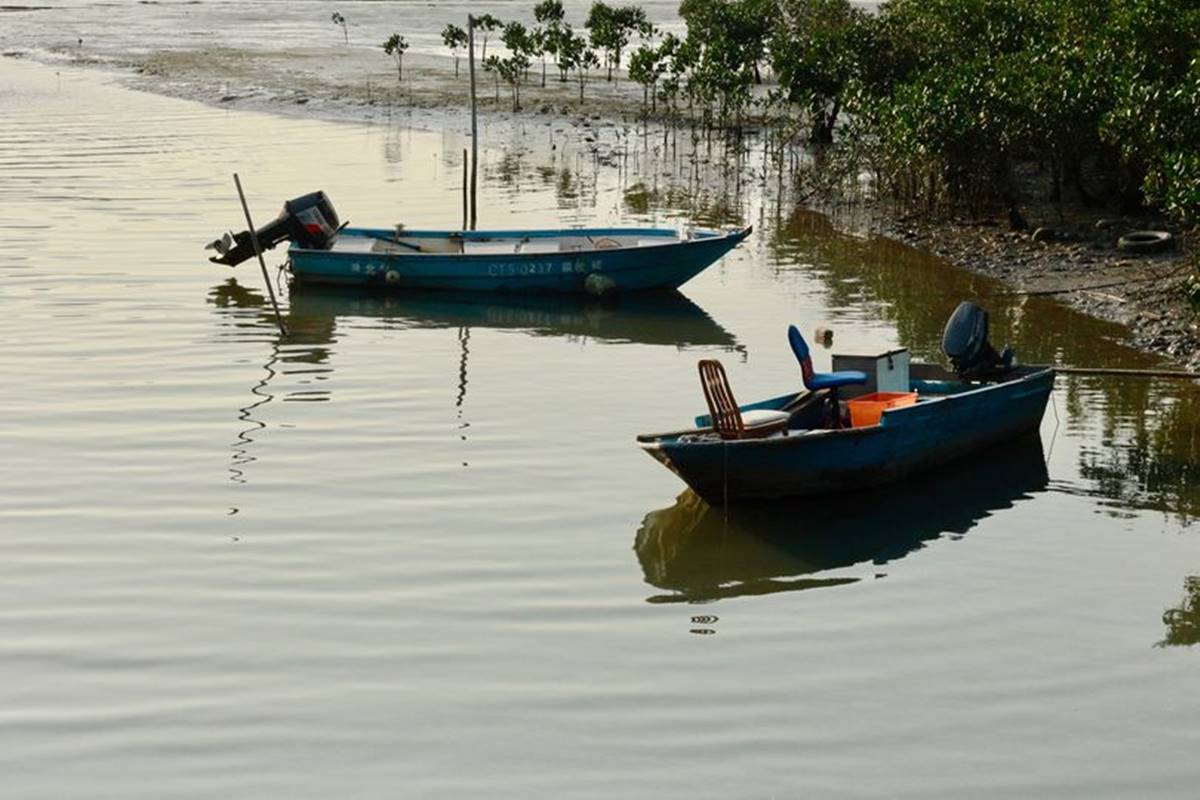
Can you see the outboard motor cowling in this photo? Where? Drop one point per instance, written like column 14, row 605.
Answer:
column 310, row 221
column 965, row 343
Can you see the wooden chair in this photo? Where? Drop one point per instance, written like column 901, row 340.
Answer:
column 727, row 420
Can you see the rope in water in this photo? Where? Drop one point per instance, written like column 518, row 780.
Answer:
column 1130, row 373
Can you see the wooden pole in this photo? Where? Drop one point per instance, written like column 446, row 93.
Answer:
column 474, row 119
column 258, row 252
column 464, row 191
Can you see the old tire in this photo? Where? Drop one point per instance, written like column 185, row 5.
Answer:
column 1146, row 242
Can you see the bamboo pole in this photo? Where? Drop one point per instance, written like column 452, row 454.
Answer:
column 474, row 120
column 258, row 252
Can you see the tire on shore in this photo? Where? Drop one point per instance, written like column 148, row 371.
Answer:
column 1146, row 242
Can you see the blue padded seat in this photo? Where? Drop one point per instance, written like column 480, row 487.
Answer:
column 823, row 380
column 832, row 380
column 820, row 380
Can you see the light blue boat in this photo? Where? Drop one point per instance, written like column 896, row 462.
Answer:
column 596, row 261
column 592, row 260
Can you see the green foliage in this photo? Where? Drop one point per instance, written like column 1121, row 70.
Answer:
column 646, row 67
column 611, row 28
column 1154, row 117
column 395, row 47
column 517, row 39
column 511, row 69
column 550, row 15
column 816, row 48
column 560, row 44
column 487, row 23
column 1183, row 623
column 454, row 38
column 947, row 98
column 961, row 91
column 574, row 55
column 725, row 45
column 549, row 12
column 677, row 60
column 338, row 19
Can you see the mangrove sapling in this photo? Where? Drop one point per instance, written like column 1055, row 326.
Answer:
column 677, row 61
column 395, row 47
column 610, row 29
column 601, row 26
column 338, row 19
column 510, row 70
column 645, row 68
column 550, row 14
column 576, row 56
column 519, row 44
column 492, row 64
column 630, row 20
column 564, row 50
column 589, row 60
column 815, row 51
column 487, row 23
column 454, row 38
column 537, row 47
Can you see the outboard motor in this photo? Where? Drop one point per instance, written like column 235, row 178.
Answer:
column 965, row 342
column 309, row 221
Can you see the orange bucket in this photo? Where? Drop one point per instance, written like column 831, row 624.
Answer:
column 865, row 410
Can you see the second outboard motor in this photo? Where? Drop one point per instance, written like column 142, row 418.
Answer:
column 309, row 221
column 965, row 342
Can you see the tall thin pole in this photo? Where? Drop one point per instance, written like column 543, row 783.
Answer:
column 474, row 119
column 464, row 191
column 258, row 252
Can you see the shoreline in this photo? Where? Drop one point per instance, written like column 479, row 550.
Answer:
column 1082, row 268
column 1079, row 263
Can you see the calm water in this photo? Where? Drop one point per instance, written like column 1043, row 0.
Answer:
column 412, row 551
column 115, row 28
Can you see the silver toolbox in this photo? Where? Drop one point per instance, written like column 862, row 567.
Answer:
column 886, row 372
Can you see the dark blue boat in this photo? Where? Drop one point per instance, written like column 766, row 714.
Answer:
column 951, row 418
column 797, row 444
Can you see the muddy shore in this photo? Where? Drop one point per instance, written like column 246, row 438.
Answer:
column 1070, row 253
column 1080, row 264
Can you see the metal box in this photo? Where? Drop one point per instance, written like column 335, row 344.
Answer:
column 886, row 372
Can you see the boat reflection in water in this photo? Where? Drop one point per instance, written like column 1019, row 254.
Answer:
column 659, row 318
column 296, row 366
column 697, row 552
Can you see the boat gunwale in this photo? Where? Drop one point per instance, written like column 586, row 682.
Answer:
column 384, row 234
column 659, row 441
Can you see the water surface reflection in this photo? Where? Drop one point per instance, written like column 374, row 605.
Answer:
column 1183, row 622
column 666, row 318
column 699, row 553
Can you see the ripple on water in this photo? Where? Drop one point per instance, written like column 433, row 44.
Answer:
column 411, row 548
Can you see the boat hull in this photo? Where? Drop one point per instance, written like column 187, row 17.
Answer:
column 665, row 265
column 907, row 441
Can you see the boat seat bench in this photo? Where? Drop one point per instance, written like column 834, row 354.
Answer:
column 531, row 246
